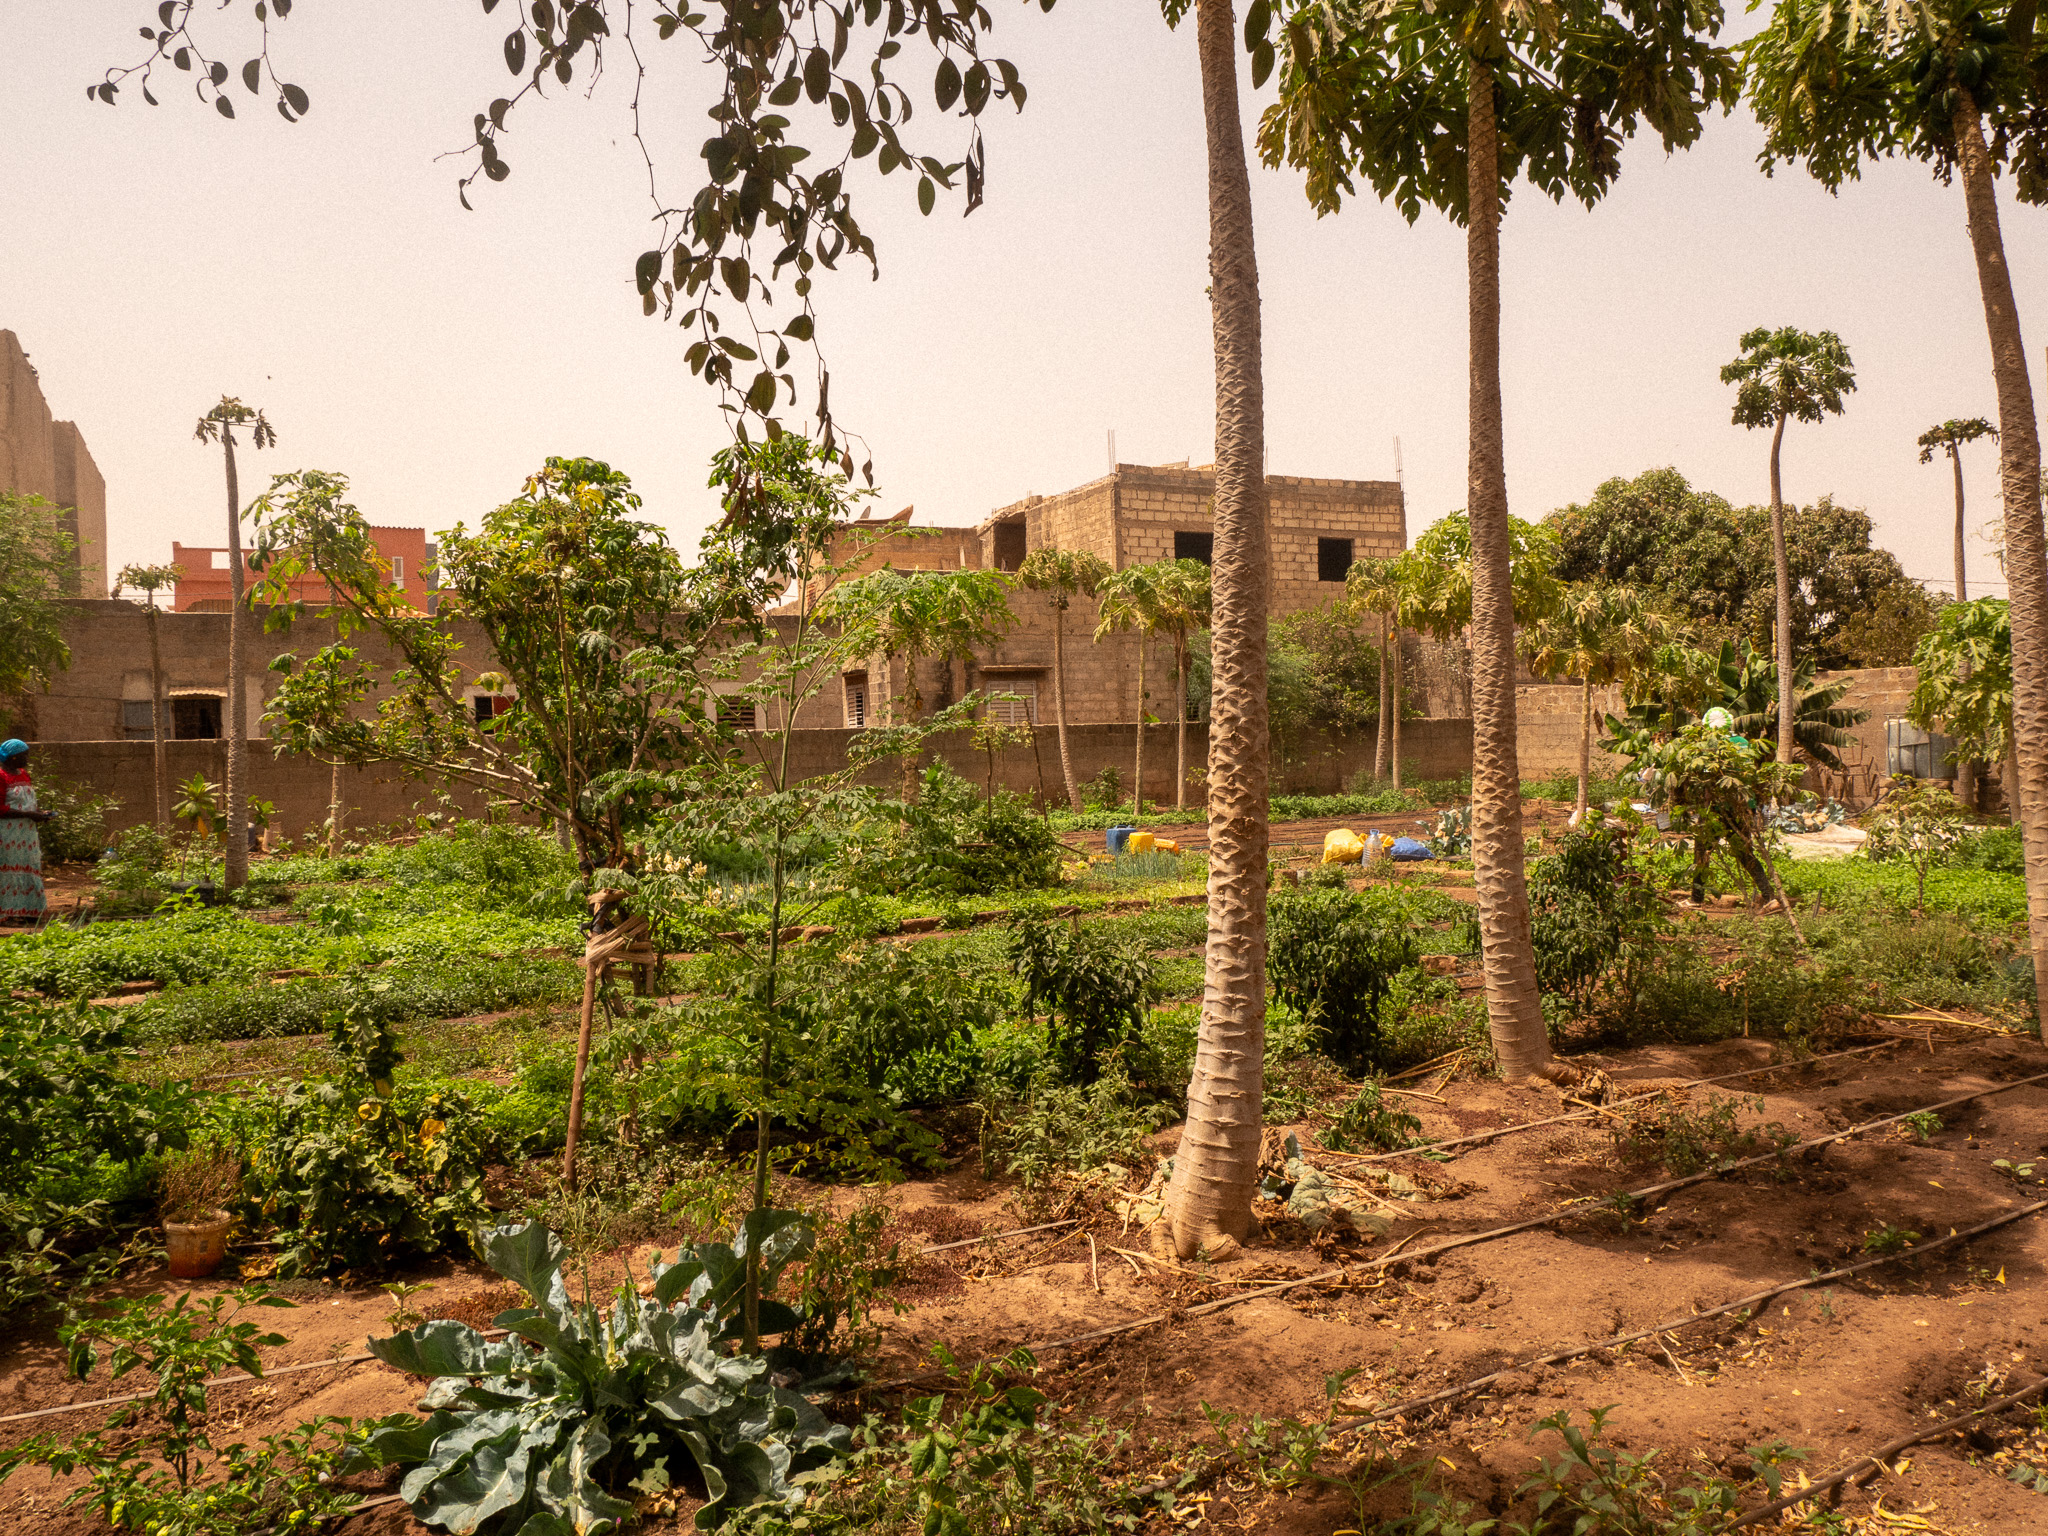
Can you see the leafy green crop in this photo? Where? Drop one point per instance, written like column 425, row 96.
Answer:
column 1334, row 955
column 554, row 1429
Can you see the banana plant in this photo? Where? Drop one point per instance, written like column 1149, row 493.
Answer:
column 554, row 1430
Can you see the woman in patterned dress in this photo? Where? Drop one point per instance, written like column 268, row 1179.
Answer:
column 21, row 849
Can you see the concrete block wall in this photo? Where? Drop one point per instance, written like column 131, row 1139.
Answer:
column 41, row 456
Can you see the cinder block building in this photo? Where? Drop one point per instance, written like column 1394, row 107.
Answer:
column 1134, row 515
column 41, row 456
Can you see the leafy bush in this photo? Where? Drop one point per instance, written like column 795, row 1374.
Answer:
column 1595, row 913
column 1369, row 1123
column 1689, row 1141
column 490, row 864
column 1104, row 792
column 354, row 1182
column 1069, row 1127
column 1094, row 986
column 77, row 828
column 1994, row 848
column 950, row 840
column 73, row 1115
column 182, row 947
column 558, row 1426
column 1334, row 955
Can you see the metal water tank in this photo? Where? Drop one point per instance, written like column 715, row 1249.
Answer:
column 1920, row 754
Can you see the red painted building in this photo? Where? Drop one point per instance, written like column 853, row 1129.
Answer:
column 204, row 588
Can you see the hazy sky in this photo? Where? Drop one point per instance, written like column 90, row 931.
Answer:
column 156, row 258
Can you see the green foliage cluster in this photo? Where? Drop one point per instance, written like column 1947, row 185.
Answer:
column 950, row 840
column 1092, row 986
column 1596, row 912
column 1368, row 1123
column 35, row 573
column 354, row 1182
column 587, row 1406
column 173, row 1480
column 1688, row 1140
column 77, row 828
column 75, row 1139
column 1334, row 954
column 1068, row 1127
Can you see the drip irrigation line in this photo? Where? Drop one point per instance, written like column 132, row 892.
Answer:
column 1874, row 1462
column 1473, row 1239
column 1582, row 1114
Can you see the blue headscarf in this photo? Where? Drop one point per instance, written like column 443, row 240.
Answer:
column 14, row 746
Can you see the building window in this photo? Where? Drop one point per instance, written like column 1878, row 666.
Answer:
column 857, row 701
column 488, row 706
column 1333, row 559
column 398, row 570
column 1020, row 708
column 137, row 723
column 1009, row 546
column 197, row 717
column 1194, row 546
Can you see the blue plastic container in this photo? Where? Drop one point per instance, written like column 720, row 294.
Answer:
column 1117, row 838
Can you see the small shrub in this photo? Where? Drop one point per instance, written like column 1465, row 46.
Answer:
column 1334, row 956
column 849, row 1269
column 1595, row 915
column 1923, row 1126
column 1688, row 1141
column 1369, row 1124
column 77, row 828
column 1105, row 791
column 952, row 841
column 1094, row 986
column 141, row 855
column 1889, row 1239
column 1067, row 1127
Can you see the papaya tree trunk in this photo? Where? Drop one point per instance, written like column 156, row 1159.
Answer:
column 1585, row 750
column 1138, row 766
column 1513, row 1010
column 1379, row 745
column 1966, row 768
column 1783, row 565
column 1394, row 702
column 159, row 725
column 236, row 811
column 1059, row 704
column 2026, row 548
column 1180, row 722
column 1215, row 1170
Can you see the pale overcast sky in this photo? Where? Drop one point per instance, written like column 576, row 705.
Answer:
column 156, row 258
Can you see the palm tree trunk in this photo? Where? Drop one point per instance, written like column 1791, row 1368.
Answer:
column 1512, row 1005
column 1585, row 750
column 1059, row 704
column 1216, row 1167
column 236, row 814
column 1966, row 768
column 1783, row 564
column 2026, row 548
column 1180, row 722
column 1394, row 700
column 1138, row 767
column 913, row 708
column 1379, row 746
column 334, row 768
column 159, row 725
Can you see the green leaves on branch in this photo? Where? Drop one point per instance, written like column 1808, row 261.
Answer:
column 1964, row 688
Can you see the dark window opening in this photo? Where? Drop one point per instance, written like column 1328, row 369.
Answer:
column 1194, row 546
column 196, row 719
column 137, row 723
column 857, row 701
column 488, row 706
column 1009, row 546
column 1333, row 559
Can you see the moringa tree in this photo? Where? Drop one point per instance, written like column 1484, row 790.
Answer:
column 1414, row 96
column 1062, row 575
column 218, row 425
column 150, row 580
column 1601, row 635
column 1786, row 375
column 1835, row 86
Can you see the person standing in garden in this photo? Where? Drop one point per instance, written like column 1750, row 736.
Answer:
column 21, row 849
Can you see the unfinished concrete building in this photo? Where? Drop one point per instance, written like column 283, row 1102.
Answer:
column 41, row 456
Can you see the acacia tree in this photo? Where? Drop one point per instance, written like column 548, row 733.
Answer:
column 150, row 580
column 305, row 527
column 1216, row 1168
column 1601, row 635
column 1786, row 375
column 218, row 425
column 1135, row 598
column 1833, row 89
column 1413, row 95
column 1062, row 575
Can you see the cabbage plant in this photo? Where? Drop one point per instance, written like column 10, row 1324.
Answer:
column 554, row 1430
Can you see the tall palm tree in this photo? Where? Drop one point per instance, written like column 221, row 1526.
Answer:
column 1780, row 376
column 150, row 580
column 1601, row 635
column 1216, row 1168
column 1832, row 89
column 218, row 425
column 1381, row 587
column 1949, row 438
column 1062, row 575
column 1184, row 608
column 1409, row 93
column 1134, row 598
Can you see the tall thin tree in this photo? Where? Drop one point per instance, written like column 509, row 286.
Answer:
column 1949, row 438
column 150, row 580
column 1135, row 598
column 1216, row 1167
column 1410, row 94
column 1834, row 88
column 218, row 425
column 1062, row 575
column 1786, row 375
column 1184, row 598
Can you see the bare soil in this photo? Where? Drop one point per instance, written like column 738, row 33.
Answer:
column 1837, row 1371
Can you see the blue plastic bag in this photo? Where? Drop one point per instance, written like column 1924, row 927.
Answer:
column 1407, row 849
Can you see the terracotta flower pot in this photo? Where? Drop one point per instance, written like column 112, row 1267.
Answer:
column 197, row 1247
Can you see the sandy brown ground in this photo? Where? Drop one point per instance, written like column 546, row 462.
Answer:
column 1836, row 1373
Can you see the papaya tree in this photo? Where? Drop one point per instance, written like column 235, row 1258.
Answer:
column 1450, row 104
